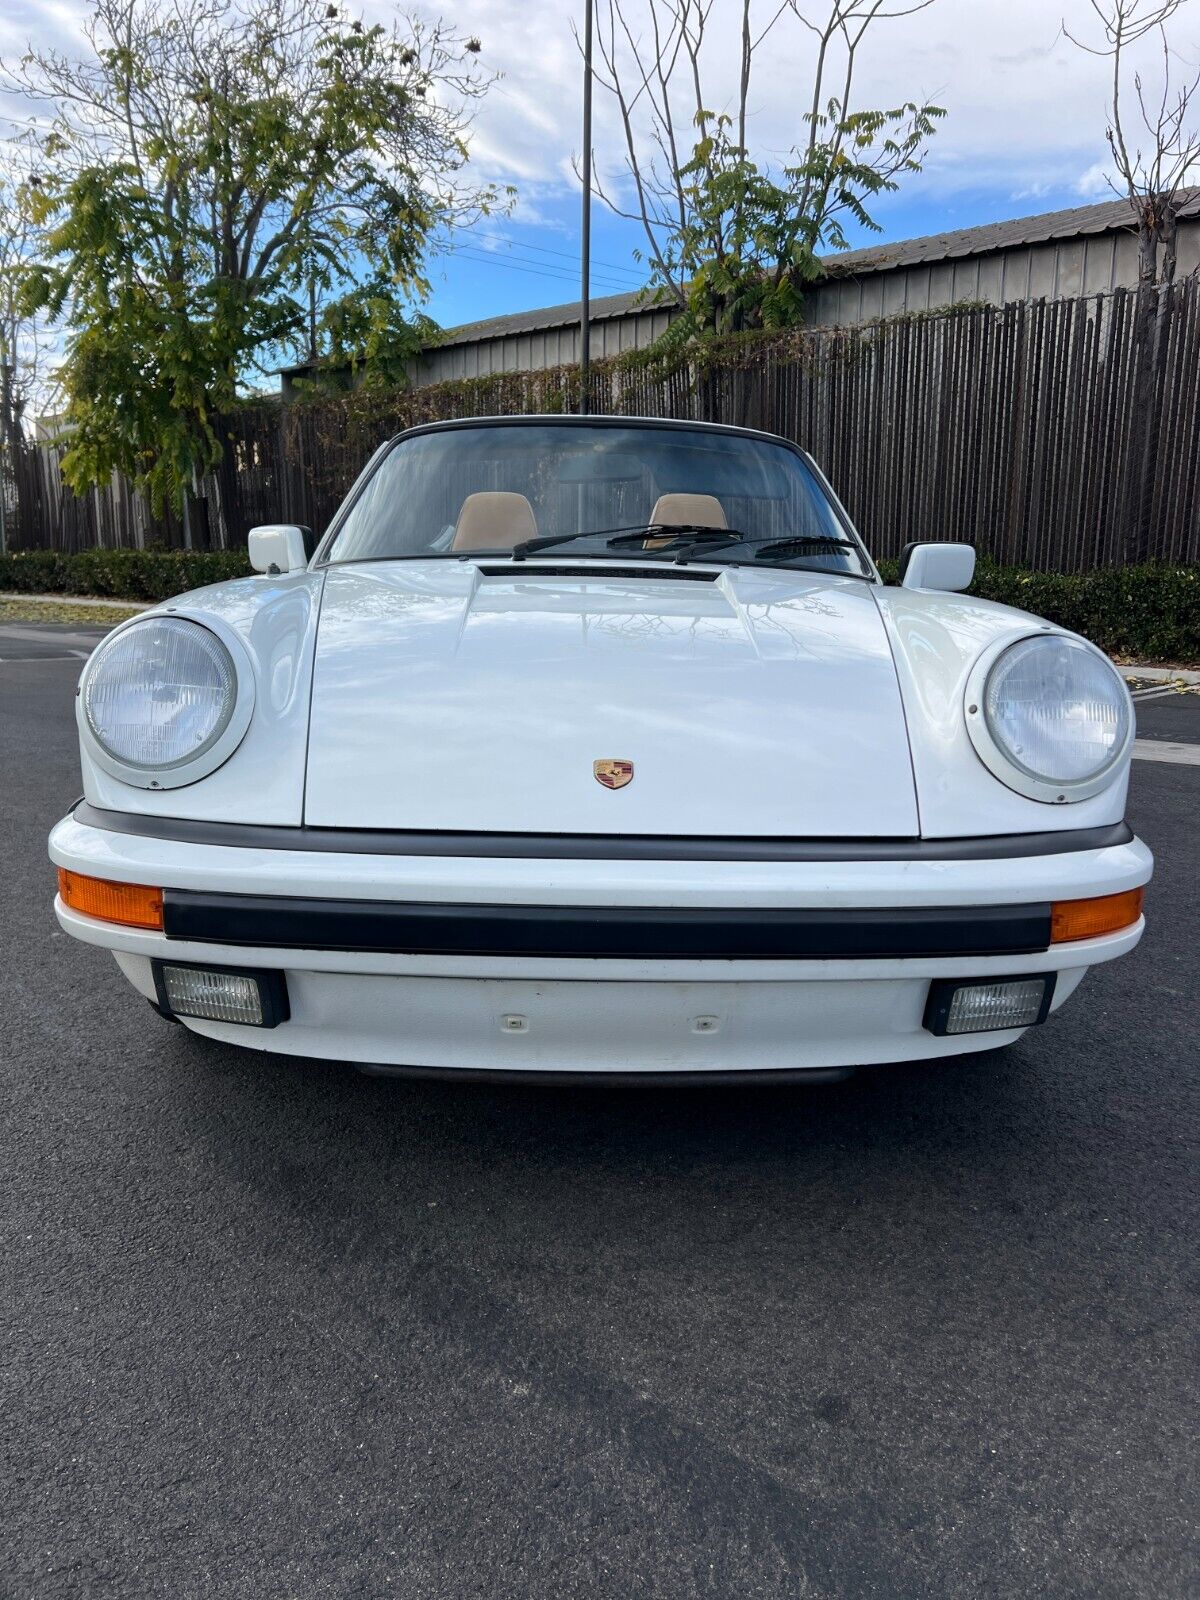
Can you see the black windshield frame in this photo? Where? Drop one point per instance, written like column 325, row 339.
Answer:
column 321, row 558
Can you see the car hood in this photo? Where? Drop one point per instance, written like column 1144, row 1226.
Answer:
column 450, row 696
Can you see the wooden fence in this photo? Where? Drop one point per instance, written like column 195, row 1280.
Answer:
column 1059, row 435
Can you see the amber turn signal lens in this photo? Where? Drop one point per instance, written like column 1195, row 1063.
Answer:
column 132, row 904
column 1087, row 919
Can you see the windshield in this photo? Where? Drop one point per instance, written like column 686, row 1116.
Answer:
column 667, row 494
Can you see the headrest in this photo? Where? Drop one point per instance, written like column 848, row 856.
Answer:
column 684, row 510
column 494, row 519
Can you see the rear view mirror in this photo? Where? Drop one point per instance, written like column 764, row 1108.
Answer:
column 937, row 566
column 278, row 547
column 596, row 466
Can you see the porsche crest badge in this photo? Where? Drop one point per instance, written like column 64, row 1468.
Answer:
column 612, row 774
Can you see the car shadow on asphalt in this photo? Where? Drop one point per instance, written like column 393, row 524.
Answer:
column 964, row 1108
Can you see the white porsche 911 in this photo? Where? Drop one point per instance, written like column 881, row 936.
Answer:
column 597, row 745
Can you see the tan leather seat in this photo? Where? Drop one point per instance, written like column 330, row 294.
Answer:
column 494, row 519
column 684, row 510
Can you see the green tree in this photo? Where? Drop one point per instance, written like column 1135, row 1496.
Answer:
column 731, row 239
column 370, row 333
column 216, row 179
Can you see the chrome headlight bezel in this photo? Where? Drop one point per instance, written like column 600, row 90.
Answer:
column 1000, row 763
column 215, row 751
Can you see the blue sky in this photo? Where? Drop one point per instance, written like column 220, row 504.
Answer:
column 1024, row 130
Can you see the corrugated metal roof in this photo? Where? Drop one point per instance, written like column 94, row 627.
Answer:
column 1105, row 217
column 609, row 305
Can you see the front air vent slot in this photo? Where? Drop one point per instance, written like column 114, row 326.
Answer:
column 657, row 569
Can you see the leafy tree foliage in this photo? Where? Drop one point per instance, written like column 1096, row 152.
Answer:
column 370, row 333
column 224, row 182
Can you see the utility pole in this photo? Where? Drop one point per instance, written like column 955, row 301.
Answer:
column 585, row 236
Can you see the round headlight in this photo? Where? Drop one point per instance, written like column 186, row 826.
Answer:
column 1058, row 713
column 159, row 698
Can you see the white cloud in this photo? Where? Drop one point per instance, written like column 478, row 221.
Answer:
column 1094, row 184
column 1026, row 109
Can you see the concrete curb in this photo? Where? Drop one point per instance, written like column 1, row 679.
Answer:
column 82, row 600
column 1162, row 674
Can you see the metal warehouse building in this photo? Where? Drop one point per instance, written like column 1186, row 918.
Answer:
column 1057, row 255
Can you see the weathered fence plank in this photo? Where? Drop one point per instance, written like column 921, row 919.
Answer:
column 1061, row 435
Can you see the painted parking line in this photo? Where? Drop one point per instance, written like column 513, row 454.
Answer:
column 1187, row 755
column 71, row 655
column 29, row 642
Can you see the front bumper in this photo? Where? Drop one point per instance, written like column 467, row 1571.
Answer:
column 521, row 1005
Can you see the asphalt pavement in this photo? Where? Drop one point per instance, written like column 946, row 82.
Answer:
column 47, row 641
column 272, row 1328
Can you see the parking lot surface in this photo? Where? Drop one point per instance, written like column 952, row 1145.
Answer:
column 272, row 1328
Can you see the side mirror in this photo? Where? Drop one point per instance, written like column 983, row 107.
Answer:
column 937, row 566
column 279, row 547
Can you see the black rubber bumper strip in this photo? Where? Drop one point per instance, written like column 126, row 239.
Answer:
column 596, row 847
column 617, row 932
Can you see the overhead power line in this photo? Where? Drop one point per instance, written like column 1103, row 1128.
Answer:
column 567, row 255
column 537, row 269
column 515, row 253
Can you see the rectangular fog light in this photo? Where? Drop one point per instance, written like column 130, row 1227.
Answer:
column 217, row 994
column 955, row 1006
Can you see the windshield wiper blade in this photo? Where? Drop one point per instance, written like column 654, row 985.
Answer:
column 544, row 541
column 632, row 533
column 686, row 533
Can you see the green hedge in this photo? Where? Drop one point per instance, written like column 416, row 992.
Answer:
column 1150, row 613
column 119, row 574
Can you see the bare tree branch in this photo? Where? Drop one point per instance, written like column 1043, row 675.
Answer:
column 1150, row 181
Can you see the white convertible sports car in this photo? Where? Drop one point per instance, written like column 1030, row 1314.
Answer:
column 596, row 745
